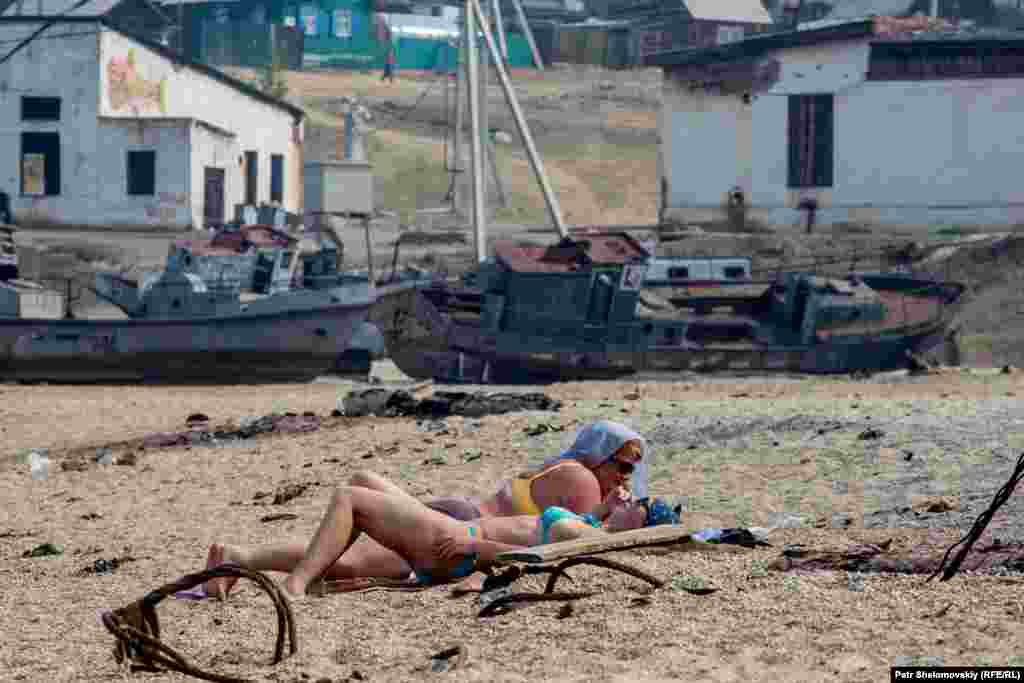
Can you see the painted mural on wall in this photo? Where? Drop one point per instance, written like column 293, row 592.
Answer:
column 128, row 90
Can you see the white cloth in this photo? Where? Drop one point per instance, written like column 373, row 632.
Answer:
column 598, row 442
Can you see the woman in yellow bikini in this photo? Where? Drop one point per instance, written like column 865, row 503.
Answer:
column 587, row 480
column 589, row 477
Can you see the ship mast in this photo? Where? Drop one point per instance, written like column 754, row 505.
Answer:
column 472, row 16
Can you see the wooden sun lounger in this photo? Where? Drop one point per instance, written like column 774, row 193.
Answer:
column 537, row 560
column 581, row 551
column 595, row 545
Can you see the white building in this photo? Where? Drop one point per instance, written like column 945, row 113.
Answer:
column 103, row 129
column 872, row 122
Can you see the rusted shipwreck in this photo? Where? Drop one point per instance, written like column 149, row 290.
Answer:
column 583, row 309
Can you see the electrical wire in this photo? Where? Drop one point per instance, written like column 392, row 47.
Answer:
column 35, row 34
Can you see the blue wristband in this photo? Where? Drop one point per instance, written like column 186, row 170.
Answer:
column 589, row 519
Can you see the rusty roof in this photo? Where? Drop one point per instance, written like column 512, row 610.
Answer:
column 257, row 235
column 206, row 248
column 588, row 249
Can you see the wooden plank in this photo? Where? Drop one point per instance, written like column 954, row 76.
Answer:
column 594, row 545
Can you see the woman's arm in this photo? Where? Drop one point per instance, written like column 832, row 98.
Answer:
column 448, row 548
column 571, row 486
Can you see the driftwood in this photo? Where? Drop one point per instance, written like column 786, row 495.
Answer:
column 1002, row 495
column 137, row 628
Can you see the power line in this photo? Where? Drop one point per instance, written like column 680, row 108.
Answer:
column 27, row 41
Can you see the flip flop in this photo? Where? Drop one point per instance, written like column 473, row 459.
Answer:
column 200, row 593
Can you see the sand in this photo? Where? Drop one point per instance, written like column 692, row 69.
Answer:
column 165, row 509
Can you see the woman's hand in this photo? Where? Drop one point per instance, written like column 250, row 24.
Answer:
column 618, row 497
column 450, row 547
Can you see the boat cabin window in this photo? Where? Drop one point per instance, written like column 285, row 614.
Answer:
column 735, row 272
column 679, row 273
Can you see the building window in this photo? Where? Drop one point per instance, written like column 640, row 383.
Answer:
column 811, row 141
column 277, row 178
column 343, row 23
column 141, row 172
column 728, row 34
column 252, row 176
column 40, row 164
column 40, row 109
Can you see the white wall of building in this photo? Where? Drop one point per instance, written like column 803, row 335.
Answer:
column 216, row 149
column 67, row 68
column 164, row 89
column 705, row 149
column 906, row 152
column 142, row 101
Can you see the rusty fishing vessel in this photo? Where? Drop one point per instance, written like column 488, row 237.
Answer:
column 585, row 309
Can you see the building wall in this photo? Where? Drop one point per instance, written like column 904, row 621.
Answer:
column 118, row 96
column 136, row 82
column 215, row 149
column 65, row 67
column 110, row 201
column 706, row 150
column 905, row 153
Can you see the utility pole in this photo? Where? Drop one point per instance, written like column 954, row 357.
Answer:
column 473, row 6
column 460, row 75
column 499, row 26
column 485, row 123
column 479, row 215
column 538, row 62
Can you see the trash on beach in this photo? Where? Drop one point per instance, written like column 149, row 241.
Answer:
column 39, row 465
column 44, row 550
column 401, row 403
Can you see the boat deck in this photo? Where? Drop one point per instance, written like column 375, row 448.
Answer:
column 904, row 311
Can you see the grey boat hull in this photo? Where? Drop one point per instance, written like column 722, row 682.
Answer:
column 287, row 346
column 432, row 345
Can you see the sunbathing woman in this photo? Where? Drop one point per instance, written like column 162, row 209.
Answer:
column 586, row 478
column 427, row 546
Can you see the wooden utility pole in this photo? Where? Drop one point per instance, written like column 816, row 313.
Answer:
column 476, row 157
column 499, row 26
column 538, row 62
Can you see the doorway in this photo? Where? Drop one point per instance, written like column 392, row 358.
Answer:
column 213, row 197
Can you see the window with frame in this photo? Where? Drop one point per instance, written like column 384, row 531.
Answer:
column 343, row 23
column 811, row 141
column 252, row 176
column 40, row 109
column 277, row 178
column 140, row 169
column 40, row 164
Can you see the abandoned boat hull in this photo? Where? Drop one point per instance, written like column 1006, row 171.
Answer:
column 288, row 346
column 523, row 367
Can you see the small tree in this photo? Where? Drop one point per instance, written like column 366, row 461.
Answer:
column 272, row 79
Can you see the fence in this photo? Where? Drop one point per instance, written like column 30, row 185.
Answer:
column 250, row 44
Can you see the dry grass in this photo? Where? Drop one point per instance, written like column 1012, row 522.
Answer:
column 759, row 626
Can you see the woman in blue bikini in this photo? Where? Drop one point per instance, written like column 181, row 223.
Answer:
column 427, row 547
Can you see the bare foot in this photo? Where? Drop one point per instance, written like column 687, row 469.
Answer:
column 219, row 587
column 294, row 588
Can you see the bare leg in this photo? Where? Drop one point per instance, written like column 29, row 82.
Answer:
column 374, row 481
column 399, row 523
column 366, row 558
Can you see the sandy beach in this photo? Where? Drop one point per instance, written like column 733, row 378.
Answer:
column 742, row 452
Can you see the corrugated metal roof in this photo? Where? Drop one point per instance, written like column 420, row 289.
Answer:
column 421, row 26
column 751, row 11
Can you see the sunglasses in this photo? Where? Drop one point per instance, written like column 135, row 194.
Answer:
column 625, row 468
